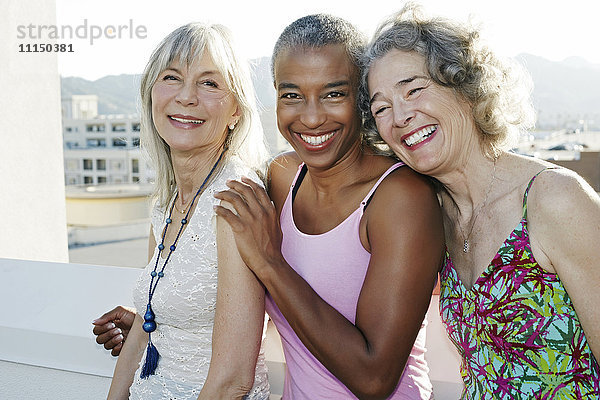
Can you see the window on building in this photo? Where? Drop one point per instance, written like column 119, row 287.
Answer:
column 135, row 142
column 95, row 128
column 119, row 142
column 119, row 127
column 96, row 142
column 71, row 145
column 87, row 164
column 135, row 179
column 101, row 164
column 71, row 180
column 135, row 166
column 101, row 179
column 88, row 180
column 135, row 126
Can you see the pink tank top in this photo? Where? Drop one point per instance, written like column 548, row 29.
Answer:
column 335, row 264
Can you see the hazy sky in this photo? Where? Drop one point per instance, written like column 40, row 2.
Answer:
column 510, row 26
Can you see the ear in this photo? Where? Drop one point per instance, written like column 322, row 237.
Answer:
column 235, row 117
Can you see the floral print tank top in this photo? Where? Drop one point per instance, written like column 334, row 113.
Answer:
column 516, row 328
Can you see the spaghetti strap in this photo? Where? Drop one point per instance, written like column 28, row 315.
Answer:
column 297, row 180
column 529, row 187
column 391, row 169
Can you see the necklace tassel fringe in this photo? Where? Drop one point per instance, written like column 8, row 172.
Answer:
column 151, row 362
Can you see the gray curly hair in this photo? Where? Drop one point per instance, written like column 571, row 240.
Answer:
column 499, row 91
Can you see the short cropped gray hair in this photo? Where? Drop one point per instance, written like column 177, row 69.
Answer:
column 185, row 44
column 499, row 91
column 319, row 30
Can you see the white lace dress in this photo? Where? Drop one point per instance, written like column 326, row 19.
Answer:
column 184, row 304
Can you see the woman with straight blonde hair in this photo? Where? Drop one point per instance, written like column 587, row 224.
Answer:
column 201, row 311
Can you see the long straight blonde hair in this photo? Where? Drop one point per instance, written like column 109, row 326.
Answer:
column 186, row 44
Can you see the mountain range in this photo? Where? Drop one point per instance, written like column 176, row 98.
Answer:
column 564, row 92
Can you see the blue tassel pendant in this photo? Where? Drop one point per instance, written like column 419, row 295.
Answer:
column 152, row 355
column 151, row 362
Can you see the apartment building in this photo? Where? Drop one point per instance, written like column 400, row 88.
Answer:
column 101, row 149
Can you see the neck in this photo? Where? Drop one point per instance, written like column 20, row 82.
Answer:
column 191, row 169
column 342, row 173
column 468, row 186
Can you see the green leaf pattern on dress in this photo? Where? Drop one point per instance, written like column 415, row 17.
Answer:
column 516, row 328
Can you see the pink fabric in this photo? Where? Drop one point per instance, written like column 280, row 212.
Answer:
column 335, row 265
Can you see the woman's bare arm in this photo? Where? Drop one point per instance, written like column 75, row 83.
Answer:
column 406, row 238
column 239, row 321
column 564, row 222
column 128, row 361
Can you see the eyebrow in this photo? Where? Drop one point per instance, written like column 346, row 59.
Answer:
column 399, row 84
column 210, row 72
column 289, row 85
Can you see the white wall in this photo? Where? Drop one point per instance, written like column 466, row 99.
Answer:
column 47, row 349
column 32, row 197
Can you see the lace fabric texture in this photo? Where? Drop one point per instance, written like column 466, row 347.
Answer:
column 185, row 301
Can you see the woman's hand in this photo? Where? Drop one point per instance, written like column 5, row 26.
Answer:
column 112, row 328
column 255, row 223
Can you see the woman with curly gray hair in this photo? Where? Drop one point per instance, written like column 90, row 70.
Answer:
column 526, row 322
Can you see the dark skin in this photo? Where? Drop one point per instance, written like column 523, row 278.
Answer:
column 401, row 228
column 112, row 328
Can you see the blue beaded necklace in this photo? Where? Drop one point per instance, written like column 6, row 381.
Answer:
column 149, row 324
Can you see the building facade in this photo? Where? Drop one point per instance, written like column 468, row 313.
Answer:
column 101, row 149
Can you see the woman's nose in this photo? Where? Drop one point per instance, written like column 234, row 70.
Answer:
column 313, row 115
column 187, row 95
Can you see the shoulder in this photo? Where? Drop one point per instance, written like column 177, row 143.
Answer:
column 405, row 185
column 558, row 192
column 406, row 200
column 282, row 171
column 284, row 164
column 235, row 168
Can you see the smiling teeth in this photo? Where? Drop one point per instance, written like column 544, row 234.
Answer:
column 420, row 136
column 188, row 121
column 317, row 140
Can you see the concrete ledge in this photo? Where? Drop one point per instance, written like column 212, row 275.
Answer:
column 47, row 349
column 50, row 321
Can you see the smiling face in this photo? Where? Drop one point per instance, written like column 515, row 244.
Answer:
column 316, row 103
column 192, row 105
column 427, row 125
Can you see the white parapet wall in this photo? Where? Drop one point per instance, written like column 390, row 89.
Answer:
column 48, row 351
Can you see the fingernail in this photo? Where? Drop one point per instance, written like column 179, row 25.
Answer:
column 95, row 321
column 110, row 326
column 119, row 338
column 118, row 330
